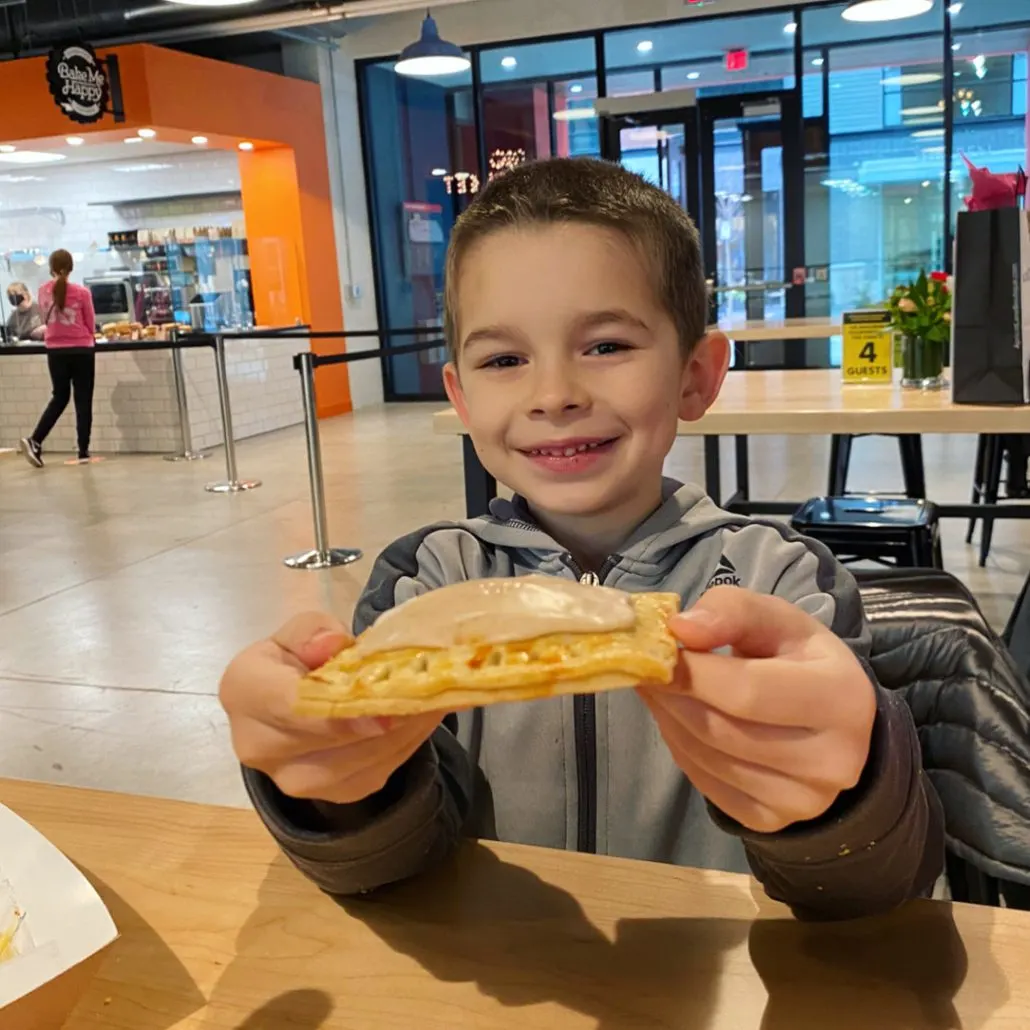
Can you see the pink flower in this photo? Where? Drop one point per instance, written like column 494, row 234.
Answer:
column 907, row 305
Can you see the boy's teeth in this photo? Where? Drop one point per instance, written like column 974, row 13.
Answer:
column 567, row 452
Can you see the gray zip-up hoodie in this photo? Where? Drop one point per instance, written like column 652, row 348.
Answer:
column 592, row 773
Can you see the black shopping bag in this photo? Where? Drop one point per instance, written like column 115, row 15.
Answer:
column 991, row 302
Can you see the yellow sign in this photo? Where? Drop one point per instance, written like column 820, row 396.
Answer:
column 868, row 347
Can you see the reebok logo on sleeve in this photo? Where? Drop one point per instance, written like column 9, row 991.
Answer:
column 725, row 575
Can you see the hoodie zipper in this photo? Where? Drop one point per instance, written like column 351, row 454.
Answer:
column 584, row 719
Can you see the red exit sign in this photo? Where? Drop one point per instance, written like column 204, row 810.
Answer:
column 736, row 60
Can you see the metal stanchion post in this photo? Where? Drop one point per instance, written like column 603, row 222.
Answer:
column 233, row 484
column 187, row 453
column 323, row 556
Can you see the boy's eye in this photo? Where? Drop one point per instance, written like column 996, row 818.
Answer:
column 502, row 361
column 608, row 347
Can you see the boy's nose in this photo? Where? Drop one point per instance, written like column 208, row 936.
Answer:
column 558, row 392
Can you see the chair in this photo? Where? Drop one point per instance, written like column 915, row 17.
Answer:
column 971, row 705
column 909, row 444
column 892, row 531
column 992, row 450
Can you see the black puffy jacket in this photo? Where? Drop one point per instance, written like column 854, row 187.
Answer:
column 972, row 707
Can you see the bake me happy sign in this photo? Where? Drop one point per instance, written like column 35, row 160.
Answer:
column 78, row 82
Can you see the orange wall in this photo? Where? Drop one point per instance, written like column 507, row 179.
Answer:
column 286, row 189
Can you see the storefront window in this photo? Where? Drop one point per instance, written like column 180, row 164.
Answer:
column 538, row 101
column 990, row 83
column 694, row 54
column 868, row 175
column 423, row 170
column 880, row 216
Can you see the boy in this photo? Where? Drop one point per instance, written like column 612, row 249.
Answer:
column 576, row 309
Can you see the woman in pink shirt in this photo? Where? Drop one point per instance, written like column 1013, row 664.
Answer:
column 69, row 325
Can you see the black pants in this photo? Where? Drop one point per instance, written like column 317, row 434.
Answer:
column 70, row 373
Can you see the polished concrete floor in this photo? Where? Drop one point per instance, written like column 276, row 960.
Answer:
column 125, row 588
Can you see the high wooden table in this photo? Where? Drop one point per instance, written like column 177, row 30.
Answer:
column 800, row 402
column 770, row 329
column 219, row 932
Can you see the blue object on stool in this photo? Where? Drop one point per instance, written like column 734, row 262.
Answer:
column 893, row 531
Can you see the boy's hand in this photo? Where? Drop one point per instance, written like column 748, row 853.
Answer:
column 336, row 760
column 774, row 732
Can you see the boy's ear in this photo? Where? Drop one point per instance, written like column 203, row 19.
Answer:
column 703, row 376
column 455, row 393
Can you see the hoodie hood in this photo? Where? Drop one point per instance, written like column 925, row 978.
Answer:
column 685, row 515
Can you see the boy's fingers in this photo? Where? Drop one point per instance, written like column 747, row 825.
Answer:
column 769, row 691
column 312, row 638
column 755, row 625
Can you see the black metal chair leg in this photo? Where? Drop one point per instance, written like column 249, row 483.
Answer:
column 911, row 447
column 979, row 475
column 831, row 485
column 992, row 487
column 840, row 463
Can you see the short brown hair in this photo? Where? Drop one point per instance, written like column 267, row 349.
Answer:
column 591, row 192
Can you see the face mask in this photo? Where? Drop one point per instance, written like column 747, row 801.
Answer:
column 14, row 299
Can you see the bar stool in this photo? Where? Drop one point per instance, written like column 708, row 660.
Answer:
column 992, row 450
column 893, row 531
column 909, row 444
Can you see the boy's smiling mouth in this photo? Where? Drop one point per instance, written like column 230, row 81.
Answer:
column 574, row 455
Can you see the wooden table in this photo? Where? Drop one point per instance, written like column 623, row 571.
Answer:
column 800, row 402
column 219, row 932
column 769, row 329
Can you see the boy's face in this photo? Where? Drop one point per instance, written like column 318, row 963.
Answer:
column 570, row 377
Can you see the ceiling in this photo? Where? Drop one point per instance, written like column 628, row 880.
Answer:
column 33, row 26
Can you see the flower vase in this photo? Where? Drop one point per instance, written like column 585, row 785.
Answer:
column 922, row 363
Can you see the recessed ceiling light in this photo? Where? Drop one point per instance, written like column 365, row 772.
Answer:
column 886, row 10
column 200, row 141
column 818, row 62
column 75, row 141
column 912, row 79
column 927, row 133
column 576, row 87
column 246, row 145
column 790, row 28
column 439, row 173
column 645, row 46
column 140, row 166
column 926, row 184
column 6, row 148
column 956, row 47
column 29, row 157
column 693, row 76
column 908, row 200
column 147, row 133
column 509, row 62
column 134, row 139
column 955, row 10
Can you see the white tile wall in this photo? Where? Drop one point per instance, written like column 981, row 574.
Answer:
column 135, row 408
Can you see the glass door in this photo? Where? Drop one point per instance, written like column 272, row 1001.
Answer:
column 661, row 146
column 735, row 163
column 752, row 217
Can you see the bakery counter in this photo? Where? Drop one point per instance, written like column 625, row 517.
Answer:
column 134, row 406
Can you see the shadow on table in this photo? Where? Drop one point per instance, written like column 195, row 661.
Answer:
column 147, row 986
column 900, row 970
column 297, row 1010
column 525, row 942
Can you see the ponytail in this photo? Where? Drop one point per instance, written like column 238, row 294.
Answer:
column 61, row 265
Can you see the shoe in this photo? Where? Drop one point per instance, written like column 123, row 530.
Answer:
column 33, row 452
